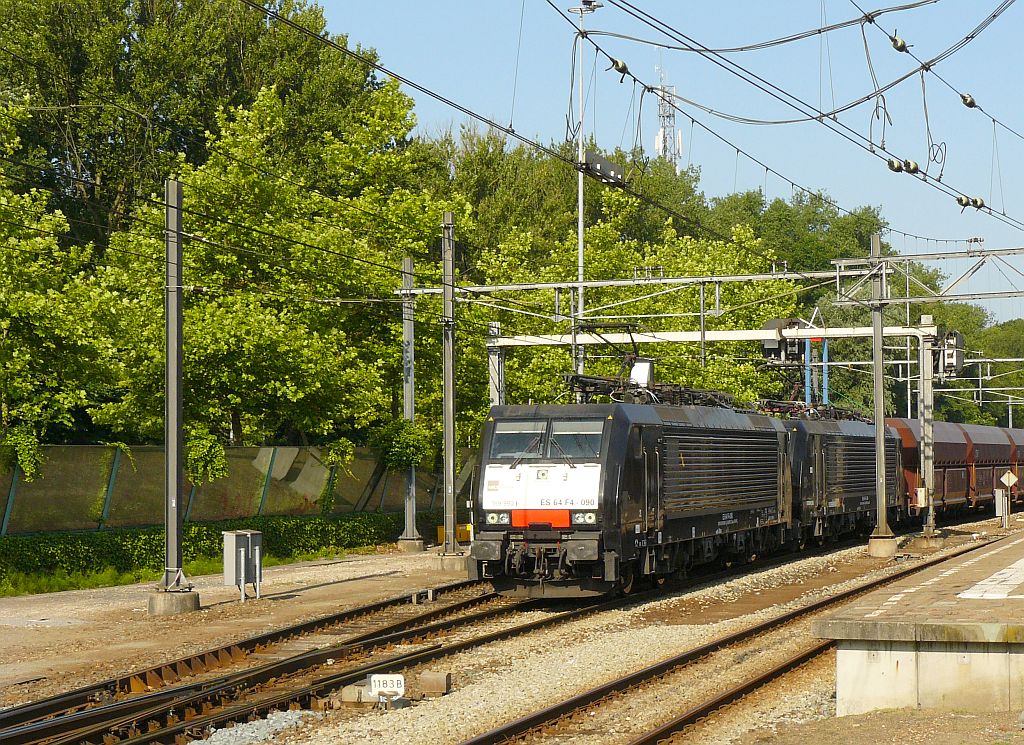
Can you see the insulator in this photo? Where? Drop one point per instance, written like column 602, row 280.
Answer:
column 963, row 200
column 910, row 166
column 895, row 164
column 968, row 100
column 898, row 44
column 977, row 203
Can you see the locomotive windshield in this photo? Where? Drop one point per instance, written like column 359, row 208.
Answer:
column 576, row 439
column 518, row 438
column 532, row 438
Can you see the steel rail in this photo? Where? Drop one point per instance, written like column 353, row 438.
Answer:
column 157, row 676
column 197, row 724
column 702, row 710
column 563, row 709
column 84, row 722
column 97, row 720
column 697, row 581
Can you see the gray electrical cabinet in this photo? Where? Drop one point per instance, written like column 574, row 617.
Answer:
column 243, row 557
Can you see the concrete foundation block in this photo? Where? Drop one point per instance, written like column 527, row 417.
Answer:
column 172, row 603
column 927, row 542
column 881, row 548
column 451, row 562
column 875, row 675
column 435, row 684
column 411, row 545
column 358, row 693
column 974, row 677
column 948, row 676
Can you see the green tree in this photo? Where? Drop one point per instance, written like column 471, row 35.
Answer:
column 735, row 368
column 53, row 356
column 291, row 329
column 122, row 88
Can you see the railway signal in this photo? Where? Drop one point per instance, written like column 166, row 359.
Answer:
column 951, row 355
column 783, row 351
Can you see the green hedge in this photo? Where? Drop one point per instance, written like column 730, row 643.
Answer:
column 132, row 549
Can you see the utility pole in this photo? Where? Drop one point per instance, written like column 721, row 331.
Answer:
column 451, row 544
column 495, row 366
column 910, row 391
column 808, row 389
column 703, row 330
column 824, row 371
column 882, row 543
column 585, row 7
column 174, row 593
column 410, row 540
column 926, row 410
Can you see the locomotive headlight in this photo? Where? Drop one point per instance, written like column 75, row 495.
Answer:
column 584, row 518
column 492, row 518
column 499, row 518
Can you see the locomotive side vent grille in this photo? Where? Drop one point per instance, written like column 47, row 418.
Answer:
column 850, row 467
column 712, row 469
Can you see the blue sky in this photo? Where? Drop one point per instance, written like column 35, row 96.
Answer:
column 468, row 52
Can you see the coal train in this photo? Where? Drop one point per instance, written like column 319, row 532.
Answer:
column 583, row 499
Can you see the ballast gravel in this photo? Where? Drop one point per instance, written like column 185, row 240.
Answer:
column 506, row 680
column 261, row 730
column 804, row 696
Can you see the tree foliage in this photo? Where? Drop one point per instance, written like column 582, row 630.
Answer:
column 122, row 89
column 284, row 333
column 303, row 190
column 53, row 356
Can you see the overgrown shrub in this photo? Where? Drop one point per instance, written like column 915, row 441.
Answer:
column 127, row 550
column 402, row 444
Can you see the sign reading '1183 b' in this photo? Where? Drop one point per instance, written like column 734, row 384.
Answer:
column 387, row 685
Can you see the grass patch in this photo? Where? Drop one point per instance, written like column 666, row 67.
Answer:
column 50, row 562
column 22, row 583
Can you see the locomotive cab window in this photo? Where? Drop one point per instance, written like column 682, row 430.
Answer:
column 576, row 439
column 518, row 439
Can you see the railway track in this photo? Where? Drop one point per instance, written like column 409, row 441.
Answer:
column 174, row 714
column 561, row 717
column 184, row 698
column 676, row 726
column 303, row 664
column 352, row 625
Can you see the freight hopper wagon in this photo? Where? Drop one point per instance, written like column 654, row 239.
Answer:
column 577, row 500
column 969, row 461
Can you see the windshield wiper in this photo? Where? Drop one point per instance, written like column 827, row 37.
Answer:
column 565, row 455
column 533, row 443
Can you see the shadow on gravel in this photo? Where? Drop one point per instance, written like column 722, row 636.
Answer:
column 297, row 592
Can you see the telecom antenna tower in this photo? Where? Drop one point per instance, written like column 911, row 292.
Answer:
column 669, row 142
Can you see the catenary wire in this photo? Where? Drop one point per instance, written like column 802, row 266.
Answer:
column 962, row 94
column 693, row 121
column 798, row 104
column 865, row 17
column 643, row 198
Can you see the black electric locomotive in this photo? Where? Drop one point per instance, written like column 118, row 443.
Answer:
column 581, row 499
